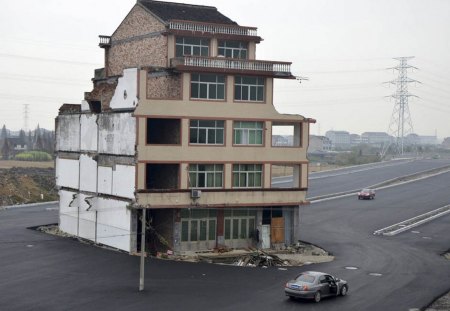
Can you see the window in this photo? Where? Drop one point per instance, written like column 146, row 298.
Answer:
column 233, row 49
column 247, row 175
column 248, row 133
column 249, row 88
column 191, row 46
column 209, row 132
column 205, row 175
column 207, row 86
column 239, row 224
column 198, row 225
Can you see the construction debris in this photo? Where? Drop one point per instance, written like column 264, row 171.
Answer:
column 260, row 259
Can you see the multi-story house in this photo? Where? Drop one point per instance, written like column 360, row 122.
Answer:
column 339, row 139
column 180, row 122
column 376, row 139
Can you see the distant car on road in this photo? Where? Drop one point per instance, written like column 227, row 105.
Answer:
column 366, row 194
column 315, row 285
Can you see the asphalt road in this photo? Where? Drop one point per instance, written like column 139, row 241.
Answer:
column 42, row 272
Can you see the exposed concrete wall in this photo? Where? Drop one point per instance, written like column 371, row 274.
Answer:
column 105, row 221
column 67, row 173
column 88, row 132
column 88, row 173
column 117, row 133
column 68, row 212
column 68, row 132
column 123, row 180
column 125, row 95
column 105, row 178
column 114, row 224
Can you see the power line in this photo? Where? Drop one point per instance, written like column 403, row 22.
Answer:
column 48, row 59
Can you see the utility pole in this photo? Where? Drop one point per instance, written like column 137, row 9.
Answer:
column 25, row 117
column 143, row 229
column 401, row 123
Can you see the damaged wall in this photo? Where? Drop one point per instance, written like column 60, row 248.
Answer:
column 68, row 132
column 125, row 95
column 117, row 133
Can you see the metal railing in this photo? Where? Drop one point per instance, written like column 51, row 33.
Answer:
column 236, row 64
column 214, row 28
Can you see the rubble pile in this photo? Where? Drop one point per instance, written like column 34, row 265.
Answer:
column 260, row 259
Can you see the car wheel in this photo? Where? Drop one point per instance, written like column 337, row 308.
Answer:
column 344, row 290
column 359, row 198
column 317, row 296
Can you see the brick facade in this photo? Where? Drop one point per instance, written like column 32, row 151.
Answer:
column 166, row 87
column 138, row 41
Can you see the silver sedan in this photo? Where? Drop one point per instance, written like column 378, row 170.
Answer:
column 315, row 285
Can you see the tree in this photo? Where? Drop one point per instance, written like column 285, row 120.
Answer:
column 29, row 141
column 4, row 133
column 6, row 149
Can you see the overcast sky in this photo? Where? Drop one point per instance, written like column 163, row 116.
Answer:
column 49, row 51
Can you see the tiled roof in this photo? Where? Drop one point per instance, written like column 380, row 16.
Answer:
column 179, row 11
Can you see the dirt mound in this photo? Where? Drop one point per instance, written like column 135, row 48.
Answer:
column 20, row 185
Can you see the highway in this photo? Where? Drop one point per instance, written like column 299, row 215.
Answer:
column 42, row 272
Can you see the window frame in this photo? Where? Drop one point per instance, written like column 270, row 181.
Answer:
column 202, row 86
column 208, row 130
column 240, row 171
column 200, row 45
column 222, row 44
column 245, row 136
column 241, row 87
column 206, row 175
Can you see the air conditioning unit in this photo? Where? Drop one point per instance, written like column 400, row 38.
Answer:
column 195, row 194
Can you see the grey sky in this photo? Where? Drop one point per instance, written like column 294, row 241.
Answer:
column 50, row 48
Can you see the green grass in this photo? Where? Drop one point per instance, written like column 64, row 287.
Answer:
column 33, row 156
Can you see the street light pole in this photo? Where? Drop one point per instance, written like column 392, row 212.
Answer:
column 143, row 229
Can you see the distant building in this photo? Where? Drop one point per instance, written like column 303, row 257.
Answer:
column 376, row 139
column 355, row 140
column 415, row 139
column 446, row 143
column 319, row 143
column 339, row 139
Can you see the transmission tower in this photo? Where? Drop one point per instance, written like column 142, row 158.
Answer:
column 25, row 117
column 401, row 123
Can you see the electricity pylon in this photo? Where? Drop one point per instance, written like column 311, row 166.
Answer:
column 401, row 123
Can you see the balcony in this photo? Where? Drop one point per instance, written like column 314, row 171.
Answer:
column 105, row 41
column 233, row 30
column 233, row 65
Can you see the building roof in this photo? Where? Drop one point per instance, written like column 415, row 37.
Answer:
column 168, row 11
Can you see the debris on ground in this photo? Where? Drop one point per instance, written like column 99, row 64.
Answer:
column 260, row 259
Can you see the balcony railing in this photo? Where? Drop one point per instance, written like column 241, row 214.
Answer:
column 104, row 41
column 275, row 68
column 214, row 28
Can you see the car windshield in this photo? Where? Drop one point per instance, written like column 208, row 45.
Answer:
column 305, row 278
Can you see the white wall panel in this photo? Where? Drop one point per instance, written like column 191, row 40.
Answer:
column 68, row 213
column 89, row 130
column 87, row 218
column 68, row 132
column 88, row 173
column 105, row 176
column 125, row 95
column 114, row 223
column 117, row 133
column 67, row 172
column 124, row 181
